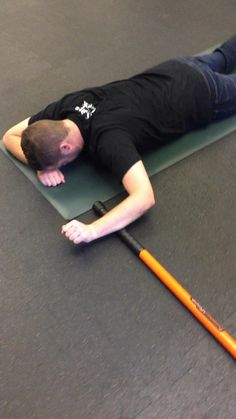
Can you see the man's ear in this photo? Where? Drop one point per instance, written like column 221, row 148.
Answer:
column 65, row 148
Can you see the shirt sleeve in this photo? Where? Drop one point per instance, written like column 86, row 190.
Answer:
column 117, row 152
column 50, row 112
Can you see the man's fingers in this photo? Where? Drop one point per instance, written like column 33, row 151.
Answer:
column 57, row 177
column 44, row 179
column 70, row 227
column 73, row 231
column 78, row 232
column 78, row 240
column 62, row 177
column 67, row 226
column 73, row 235
column 51, row 178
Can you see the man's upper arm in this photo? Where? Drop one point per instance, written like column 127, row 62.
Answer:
column 136, row 182
column 116, row 150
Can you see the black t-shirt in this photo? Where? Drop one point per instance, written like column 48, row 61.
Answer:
column 120, row 120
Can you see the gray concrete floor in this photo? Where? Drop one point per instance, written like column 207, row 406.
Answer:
column 88, row 333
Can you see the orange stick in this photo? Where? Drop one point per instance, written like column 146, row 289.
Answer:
column 205, row 318
column 192, row 305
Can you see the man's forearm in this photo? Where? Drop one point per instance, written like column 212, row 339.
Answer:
column 119, row 217
column 13, row 145
column 123, row 214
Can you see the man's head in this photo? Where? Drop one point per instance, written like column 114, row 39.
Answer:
column 51, row 144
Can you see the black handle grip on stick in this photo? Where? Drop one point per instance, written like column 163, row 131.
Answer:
column 133, row 244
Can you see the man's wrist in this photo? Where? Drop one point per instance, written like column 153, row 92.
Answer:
column 94, row 234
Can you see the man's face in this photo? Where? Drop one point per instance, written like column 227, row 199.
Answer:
column 64, row 160
column 67, row 159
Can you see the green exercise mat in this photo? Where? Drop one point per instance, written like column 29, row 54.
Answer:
column 85, row 184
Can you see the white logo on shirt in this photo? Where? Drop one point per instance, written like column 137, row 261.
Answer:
column 86, row 109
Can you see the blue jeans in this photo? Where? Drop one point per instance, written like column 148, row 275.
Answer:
column 216, row 68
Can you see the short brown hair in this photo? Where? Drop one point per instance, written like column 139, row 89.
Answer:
column 40, row 143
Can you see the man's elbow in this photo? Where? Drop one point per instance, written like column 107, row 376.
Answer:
column 148, row 201
column 6, row 140
column 151, row 201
